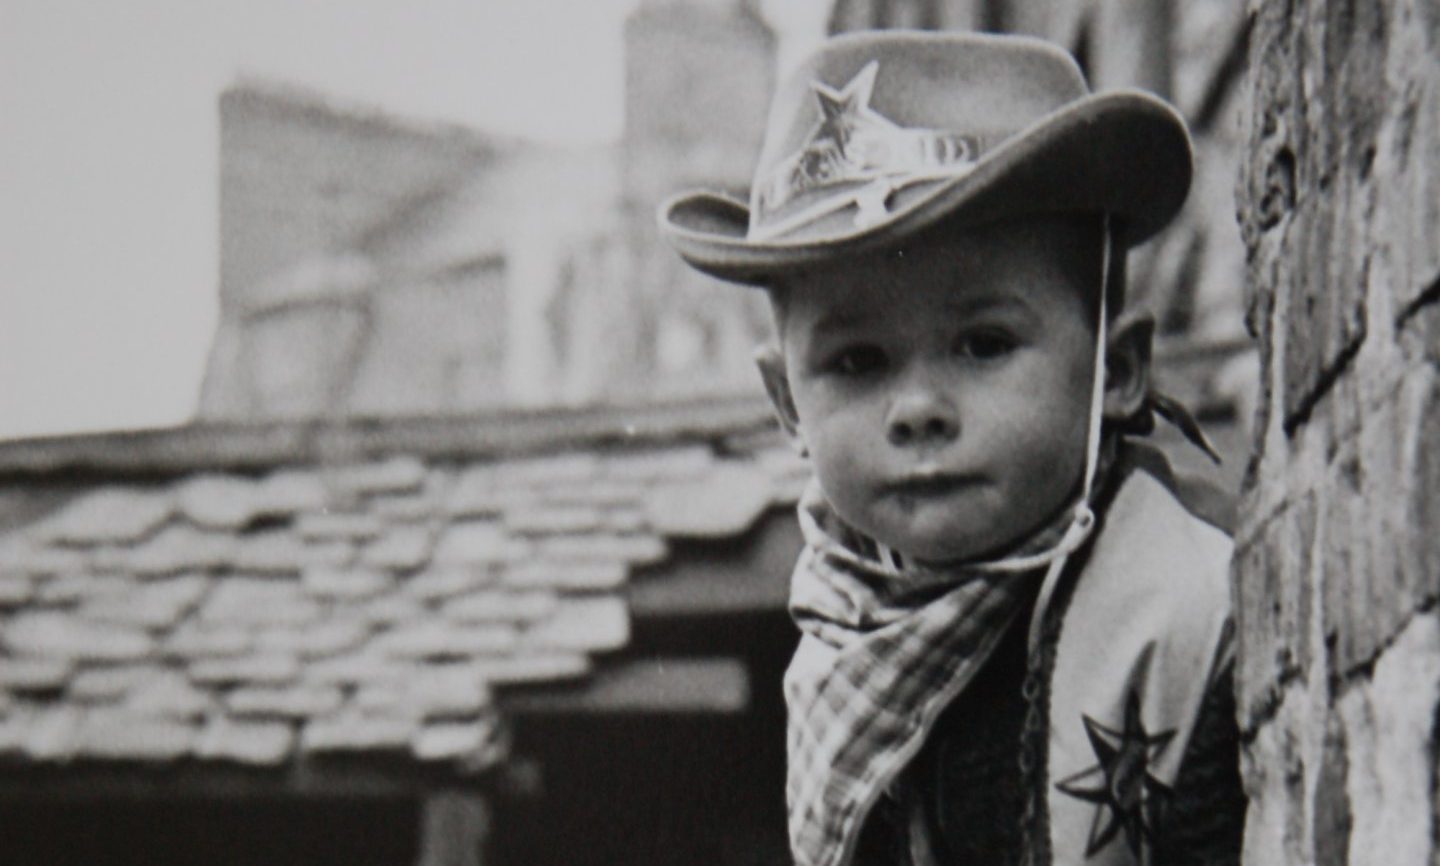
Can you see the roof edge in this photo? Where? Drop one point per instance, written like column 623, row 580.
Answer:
column 218, row 445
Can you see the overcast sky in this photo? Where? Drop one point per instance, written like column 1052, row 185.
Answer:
column 109, row 147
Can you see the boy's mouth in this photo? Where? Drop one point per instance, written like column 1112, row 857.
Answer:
column 931, row 483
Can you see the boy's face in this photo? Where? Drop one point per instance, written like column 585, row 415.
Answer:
column 943, row 391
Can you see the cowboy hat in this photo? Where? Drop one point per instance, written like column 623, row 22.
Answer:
column 880, row 135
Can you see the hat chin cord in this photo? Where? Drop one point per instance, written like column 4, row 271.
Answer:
column 1082, row 519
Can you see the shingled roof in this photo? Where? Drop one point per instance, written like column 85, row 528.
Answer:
column 261, row 595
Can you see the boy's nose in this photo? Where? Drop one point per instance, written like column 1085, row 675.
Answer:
column 922, row 418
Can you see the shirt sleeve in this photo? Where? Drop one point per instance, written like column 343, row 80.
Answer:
column 1205, row 822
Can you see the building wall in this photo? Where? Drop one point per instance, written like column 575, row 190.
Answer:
column 300, row 176
column 316, row 316
column 1338, row 564
column 377, row 267
column 698, row 81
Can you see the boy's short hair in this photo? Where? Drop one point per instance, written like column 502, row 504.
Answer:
column 881, row 136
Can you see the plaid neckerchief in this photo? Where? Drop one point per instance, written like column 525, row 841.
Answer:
column 885, row 646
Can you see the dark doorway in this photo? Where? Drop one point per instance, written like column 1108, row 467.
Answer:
column 661, row 789
column 153, row 831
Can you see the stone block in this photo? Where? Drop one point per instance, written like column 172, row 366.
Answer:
column 66, row 636
column 407, row 507
column 1330, row 804
column 325, row 638
column 1373, row 563
column 439, row 639
column 47, row 733
column 486, row 606
column 70, row 589
column 436, row 584
column 339, row 526
column 474, row 494
column 1419, row 335
column 126, row 736
column 288, row 491
column 283, row 552
column 603, row 547
column 675, row 463
column 21, row 555
column 214, row 501
column 347, row 584
column 1326, row 319
column 624, row 520
column 271, row 668
column 352, row 731
column 152, row 605
column 259, row 743
column 111, row 683
column 259, row 601
column 400, row 474
column 109, row 515
column 208, row 640
column 1389, row 728
column 548, row 471
column 1257, row 680
column 290, row 702
column 451, row 741
column 722, row 504
column 173, row 550
column 168, row 695
column 430, row 692
column 1422, row 505
column 1405, row 182
column 405, row 548
column 590, row 625
column 358, row 667
column 393, row 609
column 1342, row 574
column 477, row 543
column 34, row 674
column 15, row 590
column 552, row 519
column 540, row 574
column 601, row 493
column 531, row 667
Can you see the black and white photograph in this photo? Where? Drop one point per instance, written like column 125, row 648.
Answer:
column 733, row 432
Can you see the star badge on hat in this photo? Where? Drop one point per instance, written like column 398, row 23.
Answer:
column 853, row 144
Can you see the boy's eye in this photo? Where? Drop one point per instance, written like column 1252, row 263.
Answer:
column 985, row 344
column 858, row 361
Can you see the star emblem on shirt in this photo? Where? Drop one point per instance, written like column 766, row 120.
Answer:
column 1127, row 797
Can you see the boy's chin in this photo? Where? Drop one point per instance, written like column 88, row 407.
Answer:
column 954, row 548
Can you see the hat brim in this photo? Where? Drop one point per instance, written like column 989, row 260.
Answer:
column 1125, row 153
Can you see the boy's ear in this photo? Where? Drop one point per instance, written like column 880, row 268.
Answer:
column 777, row 385
column 1127, row 363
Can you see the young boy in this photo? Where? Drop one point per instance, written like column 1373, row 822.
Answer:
column 1016, row 642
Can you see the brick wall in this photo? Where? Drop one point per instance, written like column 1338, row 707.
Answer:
column 1338, row 563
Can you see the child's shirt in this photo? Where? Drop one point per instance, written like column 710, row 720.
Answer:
column 1101, row 733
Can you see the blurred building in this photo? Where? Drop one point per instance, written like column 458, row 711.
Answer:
column 376, row 267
